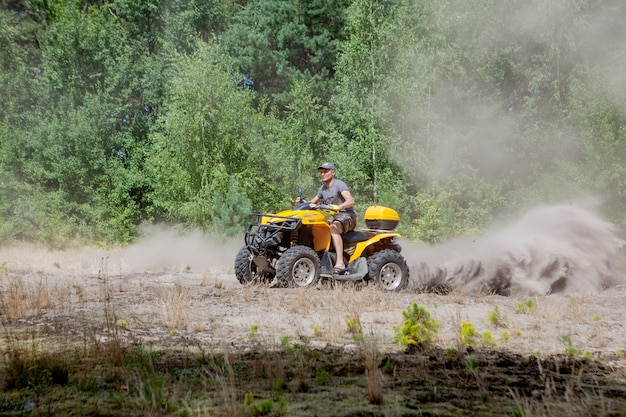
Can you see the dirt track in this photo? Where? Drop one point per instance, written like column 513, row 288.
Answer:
column 567, row 355
column 180, row 295
column 160, row 304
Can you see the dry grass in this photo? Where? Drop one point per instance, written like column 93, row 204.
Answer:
column 178, row 308
column 24, row 296
column 372, row 357
column 162, row 302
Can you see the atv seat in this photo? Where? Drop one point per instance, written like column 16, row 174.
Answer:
column 355, row 236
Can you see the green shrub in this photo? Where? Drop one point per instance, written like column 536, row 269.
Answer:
column 353, row 326
column 526, row 307
column 488, row 340
column 419, row 328
column 497, row 318
column 468, row 336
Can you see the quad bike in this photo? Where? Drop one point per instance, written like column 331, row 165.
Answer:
column 293, row 248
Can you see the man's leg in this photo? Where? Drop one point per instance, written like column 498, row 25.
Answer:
column 336, row 229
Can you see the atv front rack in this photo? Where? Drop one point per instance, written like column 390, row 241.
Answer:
column 260, row 236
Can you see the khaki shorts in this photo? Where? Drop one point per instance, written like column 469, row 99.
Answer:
column 348, row 222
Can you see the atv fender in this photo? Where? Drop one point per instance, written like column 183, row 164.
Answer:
column 360, row 247
column 357, row 270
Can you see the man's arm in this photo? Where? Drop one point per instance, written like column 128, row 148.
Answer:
column 348, row 200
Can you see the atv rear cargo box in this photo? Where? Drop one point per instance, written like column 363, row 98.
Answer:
column 381, row 218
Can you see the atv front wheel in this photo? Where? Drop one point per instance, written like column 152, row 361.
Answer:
column 388, row 270
column 246, row 271
column 298, row 267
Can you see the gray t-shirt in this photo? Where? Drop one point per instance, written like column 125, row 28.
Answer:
column 333, row 195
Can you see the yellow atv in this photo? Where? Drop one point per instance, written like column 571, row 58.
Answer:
column 293, row 248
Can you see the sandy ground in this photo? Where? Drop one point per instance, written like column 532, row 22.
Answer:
column 181, row 291
column 178, row 294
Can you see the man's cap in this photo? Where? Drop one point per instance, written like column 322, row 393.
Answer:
column 327, row 165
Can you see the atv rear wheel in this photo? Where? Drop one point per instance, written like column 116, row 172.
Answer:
column 388, row 270
column 298, row 267
column 246, row 271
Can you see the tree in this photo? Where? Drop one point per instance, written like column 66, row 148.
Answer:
column 205, row 138
column 276, row 42
column 364, row 139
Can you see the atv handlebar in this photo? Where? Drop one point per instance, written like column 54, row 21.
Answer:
column 301, row 204
column 331, row 209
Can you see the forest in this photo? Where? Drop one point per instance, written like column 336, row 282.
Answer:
column 192, row 113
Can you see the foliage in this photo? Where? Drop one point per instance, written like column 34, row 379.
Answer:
column 254, row 329
column 418, row 328
column 277, row 44
column 497, row 318
column 505, row 336
column 353, row 326
column 204, row 141
column 230, row 210
column 526, row 307
column 118, row 113
column 488, row 340
column 468, row 336
column 570, row 350
column 364, row 137
column 269, row 407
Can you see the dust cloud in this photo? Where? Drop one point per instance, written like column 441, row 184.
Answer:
column 162, row 248
column 159, row 250
column 563, row 248
column 551, row 249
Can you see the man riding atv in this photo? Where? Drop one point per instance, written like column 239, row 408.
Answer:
column 298, row 246
column 334, row 191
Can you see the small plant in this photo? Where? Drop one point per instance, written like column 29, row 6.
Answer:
column 419, row 328
column 187, row 268
column 278, row 384
column 270, row 407
column 488, row 340
column 505, row 335
column 595, row 317
column 57, row 265
column 353, row 326
column 322, row 377
column 297, row 354
column 4, row 269
column 497, row 318
column 122, row 323
column 471, row 364
column 254, row 329
column 172, row 332
column 176, row 307
column 526, row 307
column 285, row 342
column 570, row 350
column 450, row 352
column 468, row 336
column 317, row 331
